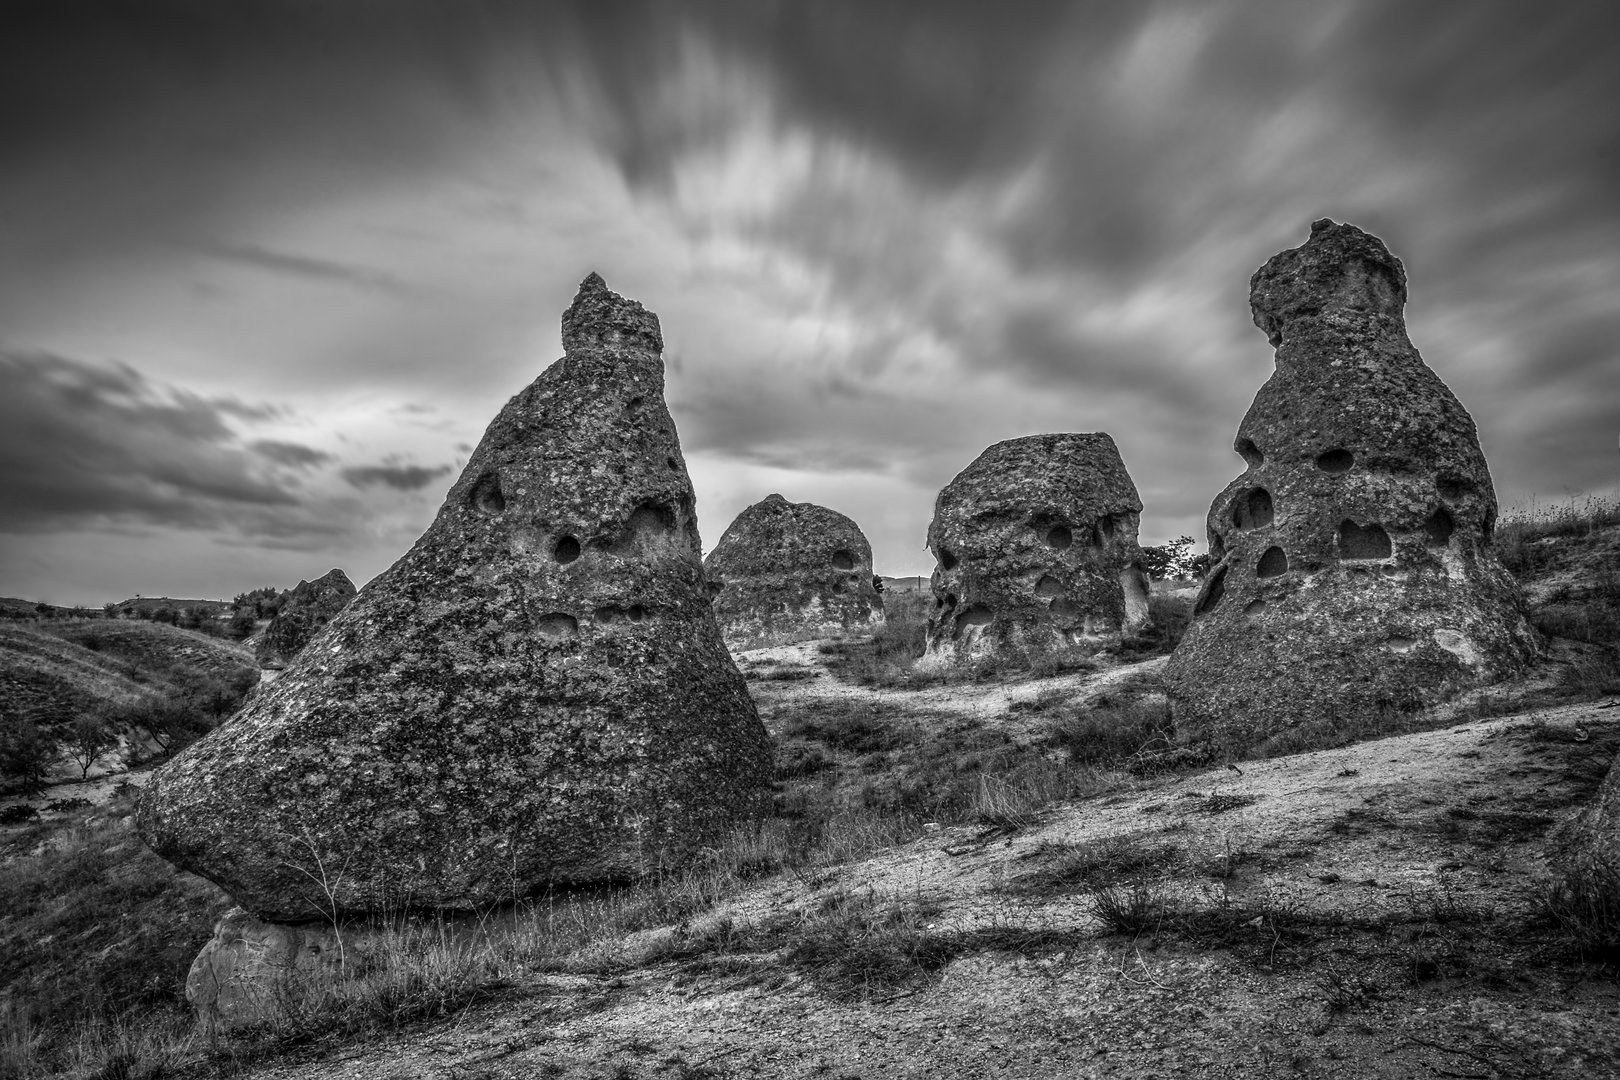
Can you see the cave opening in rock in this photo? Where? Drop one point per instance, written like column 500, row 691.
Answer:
column 1439, row 527
column 1250, row 453
column 977, row 615
column 843, row 560
column 1058, row 538
column 1356, row 542
column 486, row 495
column 557, row 625
column 1273, row 563
column 1336, row 460
column 947, row 559
column 567, row 550
column 1252, row 510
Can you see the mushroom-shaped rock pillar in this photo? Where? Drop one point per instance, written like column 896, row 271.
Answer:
column 536, row 693
column 1352, row 572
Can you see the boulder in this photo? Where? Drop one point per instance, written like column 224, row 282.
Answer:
column 1036, row 549
column 256, row 974
column 786, row 572
column 303, row 613
column 1352, row 560
column 1585, row 851
column 537, row 693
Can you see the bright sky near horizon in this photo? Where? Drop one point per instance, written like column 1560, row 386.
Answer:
column 268, row 268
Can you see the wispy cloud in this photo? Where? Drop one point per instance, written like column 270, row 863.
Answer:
column 306, row 267
column 398, row 477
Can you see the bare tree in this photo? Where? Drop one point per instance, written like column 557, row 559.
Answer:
column 88, row 739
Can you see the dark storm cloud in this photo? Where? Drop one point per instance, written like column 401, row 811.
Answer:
column 290, row 454
column 302, row 266
column 81, row 444
column 398, row 477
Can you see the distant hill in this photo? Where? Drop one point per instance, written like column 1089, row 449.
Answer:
column 147, row 604
column 914, row 583
column 55, row 670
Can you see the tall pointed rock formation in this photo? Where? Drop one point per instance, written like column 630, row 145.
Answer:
column 536, row 693
column 1353, row 574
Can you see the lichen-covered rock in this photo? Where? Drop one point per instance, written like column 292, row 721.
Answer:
column 1352, row 567
column 1036, row 549
column 303, row 613
column 536, row 693
column 786, row 572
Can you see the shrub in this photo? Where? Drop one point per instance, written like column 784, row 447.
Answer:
column 1113, row 734
column 26, row 752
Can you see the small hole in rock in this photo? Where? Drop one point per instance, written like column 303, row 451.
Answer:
column 947, row 559
column 557, row 625
column 1488, row 524
column 950, row 600
column 1107, row 525
column 1336, row 460
column 1250, row 453
column 636, row 613
column 1252, row 511
column 1254, row 607
column 606, row 615
column 1356, row 542
column 486, row 496
column 843, row 560
column 715, row 587
column 1064, row 609
column 1439, row 528
column 567, row 550
column 1048, row 587
column 1058, row 538
column 1273, row 563
column 674, row 466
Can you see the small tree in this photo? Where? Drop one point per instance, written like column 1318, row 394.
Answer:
column 88, row 739
column 25, row 753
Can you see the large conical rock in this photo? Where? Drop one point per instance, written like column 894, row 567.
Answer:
column 786, row 572
column 1036, row 549
column 303, row 612
column 535, row 693
column 1353, row 574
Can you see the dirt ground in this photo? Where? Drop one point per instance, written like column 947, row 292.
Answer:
column 1367, row 911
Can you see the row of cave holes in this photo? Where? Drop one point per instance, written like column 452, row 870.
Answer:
column 559, row 624
column 1336, row 460
column 1058, row 538
column 1340, row 460
column 1255, row 511
column 487, row 498
column 1356, row 542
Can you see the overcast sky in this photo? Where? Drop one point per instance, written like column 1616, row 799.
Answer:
column 268, row 269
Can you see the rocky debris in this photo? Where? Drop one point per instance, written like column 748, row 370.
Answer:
column 536, row 693
column 1353, row 557
column 303, row 613
column 786, row 572
column 1036, row 549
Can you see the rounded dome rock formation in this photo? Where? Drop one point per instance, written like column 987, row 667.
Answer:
column 1352, row 559
column 786, row 572
column 535, row 693
column 304, row 612
column 1036, row 548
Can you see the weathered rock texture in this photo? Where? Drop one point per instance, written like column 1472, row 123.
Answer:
column 1353, row 573
column 303, row 614
column 537, row 692
column 1036, row 548
column 253, row 972
column 1586, row 850
column 786, row 572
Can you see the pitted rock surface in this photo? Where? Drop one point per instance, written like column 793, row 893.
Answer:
column 1353, row 558
column 786, row 572
column 303, row 614
column 1036, row 548
column 536, row 693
